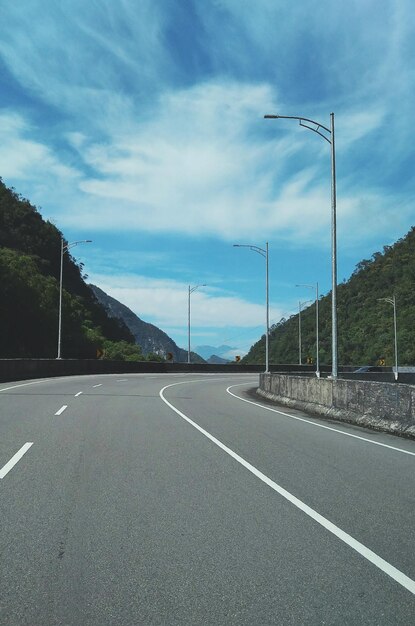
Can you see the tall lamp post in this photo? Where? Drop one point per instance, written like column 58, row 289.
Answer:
column 191, row 290
column 64, row 248
column 300, row 308
column 328, row 135
column 392, row 301
column 317, row 324
column 265, row 254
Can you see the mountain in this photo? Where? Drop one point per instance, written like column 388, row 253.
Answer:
column 217, row 360
column 151, row 339
column 30, row 250
column 224, row 352
column 365, row 320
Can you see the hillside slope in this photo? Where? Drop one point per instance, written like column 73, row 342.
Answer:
column 29, row 290
column 150, row 338
column 365, row 323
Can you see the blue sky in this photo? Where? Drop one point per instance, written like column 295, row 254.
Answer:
column 139, row 124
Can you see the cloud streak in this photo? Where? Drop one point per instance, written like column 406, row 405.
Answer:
column 165, row 302
column 154, row 155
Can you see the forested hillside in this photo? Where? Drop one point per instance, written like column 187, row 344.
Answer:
column 29, row 292
column 365, row 324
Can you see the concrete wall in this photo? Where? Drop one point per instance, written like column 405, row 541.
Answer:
column 381, row 405
column 22, row 369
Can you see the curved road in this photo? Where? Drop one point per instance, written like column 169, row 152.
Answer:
column 184, row 499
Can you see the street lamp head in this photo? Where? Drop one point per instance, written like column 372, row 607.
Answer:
column 75, row 243
column 257, row 249
column 192, row 289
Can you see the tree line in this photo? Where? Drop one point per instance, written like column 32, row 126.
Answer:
column 365, row 323
column 30, row 250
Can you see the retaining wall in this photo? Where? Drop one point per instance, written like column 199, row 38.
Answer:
column 381, row 405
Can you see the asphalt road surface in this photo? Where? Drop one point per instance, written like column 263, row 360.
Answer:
column 183, row 499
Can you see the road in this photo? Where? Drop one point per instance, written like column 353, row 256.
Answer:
column 183, row 499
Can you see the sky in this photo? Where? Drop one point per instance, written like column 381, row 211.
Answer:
column 139, row 124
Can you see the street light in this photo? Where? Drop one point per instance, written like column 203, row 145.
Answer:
column 64, row 248
column 392, row 301
column 191, row 290
column 263, row 253
column 300, row 305
column 317, row 323
column 317, row 128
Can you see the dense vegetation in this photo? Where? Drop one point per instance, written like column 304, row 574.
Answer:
column 365, row 324
column 29, row 296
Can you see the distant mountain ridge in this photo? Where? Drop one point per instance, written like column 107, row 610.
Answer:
column 217, row 360
column 223, row 352
column 150, row 338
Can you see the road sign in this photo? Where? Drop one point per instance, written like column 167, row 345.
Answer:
column 237, row 358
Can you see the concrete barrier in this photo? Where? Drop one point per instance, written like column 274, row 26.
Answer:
column 23, row 369
column 381, row 405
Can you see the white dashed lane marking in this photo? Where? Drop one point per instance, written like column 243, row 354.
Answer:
column 15, row 459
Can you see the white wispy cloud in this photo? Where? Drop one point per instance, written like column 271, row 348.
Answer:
column 87, row 59
column 22, row 157
column 165, row 302
column 200, row 166
column 157, row 155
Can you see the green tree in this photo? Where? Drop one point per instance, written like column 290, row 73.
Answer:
column 29, row 290
column 365, row 324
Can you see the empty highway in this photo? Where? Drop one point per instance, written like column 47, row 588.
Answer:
column 184, row 499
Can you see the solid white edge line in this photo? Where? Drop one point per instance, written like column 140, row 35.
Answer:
column 78, row 394
column 35, row 382
column 303, row 419
column 15, row 459
column 85, row 376
column 61, row 410
column 361, row 549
